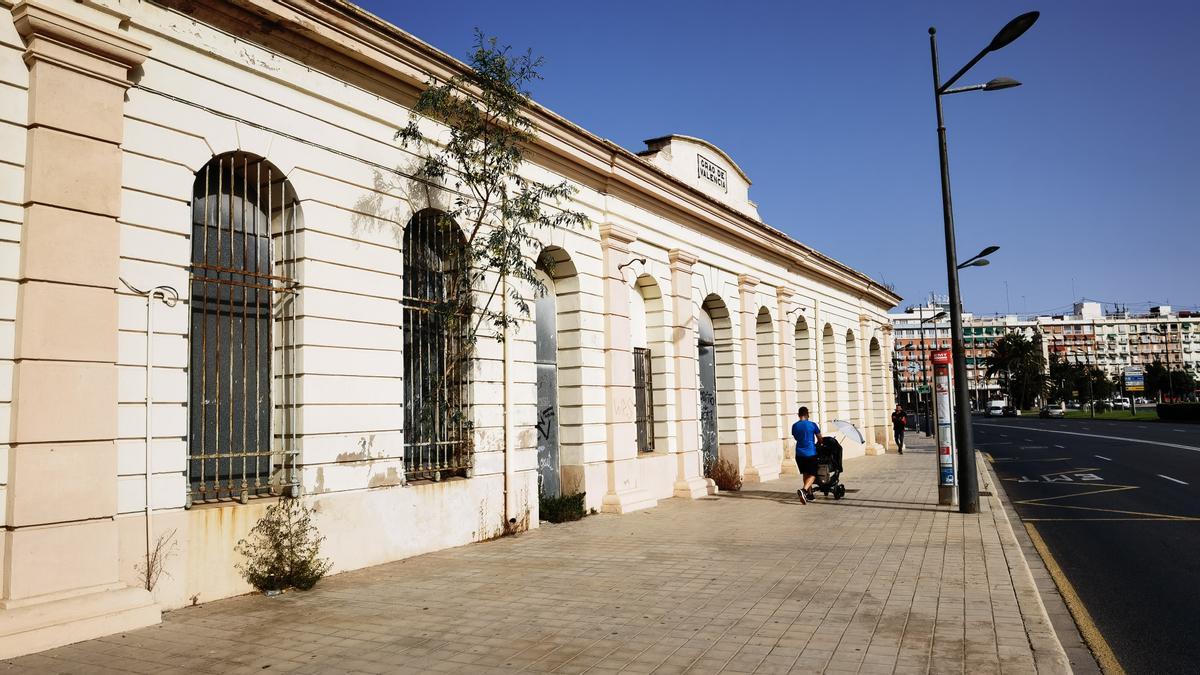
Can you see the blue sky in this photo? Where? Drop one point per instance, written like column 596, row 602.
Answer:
column 1087, row 177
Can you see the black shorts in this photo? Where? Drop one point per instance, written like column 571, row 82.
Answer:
column 807, row 465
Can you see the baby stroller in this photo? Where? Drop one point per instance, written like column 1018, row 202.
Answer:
column 829, row 468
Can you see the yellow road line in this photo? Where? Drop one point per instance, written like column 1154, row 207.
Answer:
column 1177, row 519
column 1044, row 501
column 1087, row 627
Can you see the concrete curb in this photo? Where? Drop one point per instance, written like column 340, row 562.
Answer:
column 1057, row 644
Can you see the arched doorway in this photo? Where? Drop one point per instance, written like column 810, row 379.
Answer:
column 714, row 340
column 556, row 272
column 545, row 311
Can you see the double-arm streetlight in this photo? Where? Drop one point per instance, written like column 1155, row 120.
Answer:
column 979, row 259
column 968, row 483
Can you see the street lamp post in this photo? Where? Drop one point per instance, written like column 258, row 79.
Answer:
column 1087, row 375
column 924, row 364
column 1167, row 348
column 968, row 484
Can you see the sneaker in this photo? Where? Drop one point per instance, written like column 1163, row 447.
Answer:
column 802, row 496
column 811, row 496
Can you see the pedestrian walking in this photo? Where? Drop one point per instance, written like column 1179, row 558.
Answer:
column 899, row 420
column 807, row 435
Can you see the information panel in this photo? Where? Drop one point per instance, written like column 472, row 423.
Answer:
column 945, row 425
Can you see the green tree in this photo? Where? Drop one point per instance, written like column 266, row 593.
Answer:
column 1063, row 378
column 1018, row 363
column 470, row 135
column 1160, row 381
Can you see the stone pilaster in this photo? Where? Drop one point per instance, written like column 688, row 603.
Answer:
column 624, row 494
column 870, row 414
column 689, row 482
column 887, row 347
column 60, row 566
column 755, row 466
column 788, row 399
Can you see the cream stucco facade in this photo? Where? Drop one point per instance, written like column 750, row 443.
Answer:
column 112, row 108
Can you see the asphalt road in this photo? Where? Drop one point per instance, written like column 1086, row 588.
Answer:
column 1118, row 506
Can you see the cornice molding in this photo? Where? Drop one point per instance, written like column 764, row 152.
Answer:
column 612, row 233
column 367, row 40
column 682, row 260
column 747, row 282
column 55, row 37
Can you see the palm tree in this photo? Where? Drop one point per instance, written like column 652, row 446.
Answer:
column 1019, row 363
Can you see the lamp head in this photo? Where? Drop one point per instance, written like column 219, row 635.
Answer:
column 988, row 251
column 999, row 83
column 1013, row 30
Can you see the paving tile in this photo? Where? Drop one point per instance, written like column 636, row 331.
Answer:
column 747, row 582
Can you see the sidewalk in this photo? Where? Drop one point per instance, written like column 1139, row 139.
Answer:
column 882, row 581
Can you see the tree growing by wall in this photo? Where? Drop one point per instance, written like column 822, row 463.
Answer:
column 470, row 158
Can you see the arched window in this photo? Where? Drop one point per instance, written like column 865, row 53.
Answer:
column 437, row 355
column 643, row 366
column 241, row 438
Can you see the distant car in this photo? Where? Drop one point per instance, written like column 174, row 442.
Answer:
column 1073, row 405
column 1009, row 411
column 1120, row 404
column 995, row 408
column 1048, row 412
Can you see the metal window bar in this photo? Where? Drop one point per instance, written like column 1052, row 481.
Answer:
column 643, row 385
column 437, row 315
column 242, row 313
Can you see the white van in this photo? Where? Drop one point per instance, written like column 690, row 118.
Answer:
column 994, row 408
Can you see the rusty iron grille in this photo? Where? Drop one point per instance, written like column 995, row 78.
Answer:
column 437, row 315
column 643, row 385
column 241, row 374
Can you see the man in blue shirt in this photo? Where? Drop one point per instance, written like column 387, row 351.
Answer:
column 807, row 435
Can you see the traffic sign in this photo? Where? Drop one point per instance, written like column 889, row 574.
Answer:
column 1135, row 379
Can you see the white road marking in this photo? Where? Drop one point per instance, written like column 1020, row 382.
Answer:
column 1175, row 480
column 1182, row 431
column 1141, row 426
column 1101, row 457
column 1061, row 446
column 1111, row 438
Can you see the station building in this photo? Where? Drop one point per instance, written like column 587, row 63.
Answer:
column 195, row 186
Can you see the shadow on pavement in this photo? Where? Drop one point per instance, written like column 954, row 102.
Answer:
column 789, row 498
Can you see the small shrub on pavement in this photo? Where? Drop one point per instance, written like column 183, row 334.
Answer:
column 561, row 509
column 724, row 474
column 282, row 550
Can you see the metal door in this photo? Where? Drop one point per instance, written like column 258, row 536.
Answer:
column 546, row 319
column 708, row 390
